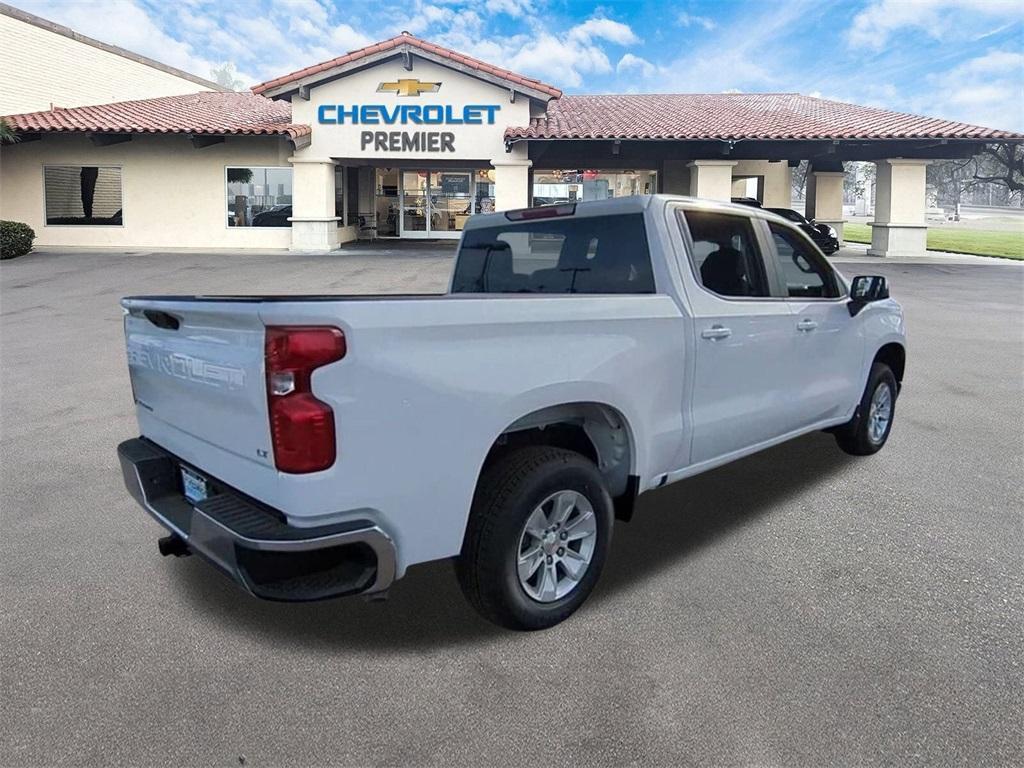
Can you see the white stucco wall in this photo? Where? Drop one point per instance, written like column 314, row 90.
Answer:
column 173, row 195
column 900, row 191
column 41, row 68
column 777, row 180
column 711, row 179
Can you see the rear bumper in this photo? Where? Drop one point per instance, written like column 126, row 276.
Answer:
column 252, row 543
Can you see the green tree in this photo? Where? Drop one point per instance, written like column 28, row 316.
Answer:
column 239, row 175
column 7, row 133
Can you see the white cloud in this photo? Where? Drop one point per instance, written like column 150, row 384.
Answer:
column 604, row 29
column 312, row 10
column 267, row 38
column 941, row 19
column 630, row 63
column 690, row 20
column 987, row 90
column 346, row 38
column 560, row 58
column 743, row 55
column 127, row 24
column 514, row 8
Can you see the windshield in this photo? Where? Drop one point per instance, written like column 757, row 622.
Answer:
column 790, row 214
column 586, row 254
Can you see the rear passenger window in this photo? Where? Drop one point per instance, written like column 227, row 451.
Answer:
column 801, row 267
column 586, row 254
column 725, row 254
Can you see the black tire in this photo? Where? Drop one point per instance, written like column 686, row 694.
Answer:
column 508, row 493
column 854, row 437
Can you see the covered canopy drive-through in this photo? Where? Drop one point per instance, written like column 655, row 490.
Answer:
column 407, row 139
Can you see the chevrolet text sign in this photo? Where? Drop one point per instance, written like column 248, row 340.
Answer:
column 407, row 114
column 426, row 114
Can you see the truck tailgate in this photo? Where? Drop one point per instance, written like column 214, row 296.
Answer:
column 197, row 371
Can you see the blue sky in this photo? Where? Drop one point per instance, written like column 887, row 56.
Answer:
column 958, row 59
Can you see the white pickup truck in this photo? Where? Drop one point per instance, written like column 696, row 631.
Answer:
column 317, row 446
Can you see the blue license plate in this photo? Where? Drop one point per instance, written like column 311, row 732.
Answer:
column 194, row 486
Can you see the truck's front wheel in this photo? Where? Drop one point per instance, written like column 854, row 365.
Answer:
column 868, row 430
column 537, row 537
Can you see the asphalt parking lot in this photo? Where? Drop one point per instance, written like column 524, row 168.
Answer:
column 800, row 607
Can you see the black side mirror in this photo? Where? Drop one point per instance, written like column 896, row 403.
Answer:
column 865, row 289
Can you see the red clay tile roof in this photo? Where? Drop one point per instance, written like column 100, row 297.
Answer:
column 415, row 42
column 726, row 116
column 197, row 113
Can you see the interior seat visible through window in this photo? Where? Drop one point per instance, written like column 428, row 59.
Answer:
column 585, row 254
column 725, row 254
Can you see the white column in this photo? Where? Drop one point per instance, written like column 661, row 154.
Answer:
column 711, row 179
column 512, row 180
column 825, row 200
column 778, row 185
column 899, row 228
column 346, row 232
column 344, row 195
column 314, row 225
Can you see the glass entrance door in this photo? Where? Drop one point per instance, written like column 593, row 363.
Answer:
column 451, row 201
column 415, row 204
column 436, row 204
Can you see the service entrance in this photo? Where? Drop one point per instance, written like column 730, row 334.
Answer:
column 430, row 204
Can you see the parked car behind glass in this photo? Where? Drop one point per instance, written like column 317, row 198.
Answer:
column 275, row 217
column 824, row 236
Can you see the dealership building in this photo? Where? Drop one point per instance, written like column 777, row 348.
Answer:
column 407, row 139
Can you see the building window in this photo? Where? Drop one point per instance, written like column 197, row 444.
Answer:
column 259, row 197
column 551, row 187
column 83, row 195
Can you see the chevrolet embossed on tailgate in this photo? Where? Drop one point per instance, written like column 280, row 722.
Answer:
column 198, row 369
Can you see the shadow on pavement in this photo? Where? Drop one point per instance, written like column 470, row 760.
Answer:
column 426, row 608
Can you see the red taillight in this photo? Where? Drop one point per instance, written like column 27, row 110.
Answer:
column 543, row 212
column 301, row 427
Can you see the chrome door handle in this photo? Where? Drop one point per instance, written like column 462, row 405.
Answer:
column 806, row 325
column 716, row 332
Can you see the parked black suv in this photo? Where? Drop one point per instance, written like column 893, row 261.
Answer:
column 824, row 236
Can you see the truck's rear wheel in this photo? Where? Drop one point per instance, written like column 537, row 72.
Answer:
column 869, row 428
column 537, row 537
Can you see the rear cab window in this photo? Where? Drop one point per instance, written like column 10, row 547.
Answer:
column 726, row 257
column 562, row 255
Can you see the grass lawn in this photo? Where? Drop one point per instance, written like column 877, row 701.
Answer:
column 1009, row 245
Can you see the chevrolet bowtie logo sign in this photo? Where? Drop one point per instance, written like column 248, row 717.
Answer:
column 409, row 87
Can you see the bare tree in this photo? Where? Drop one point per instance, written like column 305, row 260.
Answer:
column 224, row 76
column 1001, row 164
column 997, row 166
column 799, row 179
